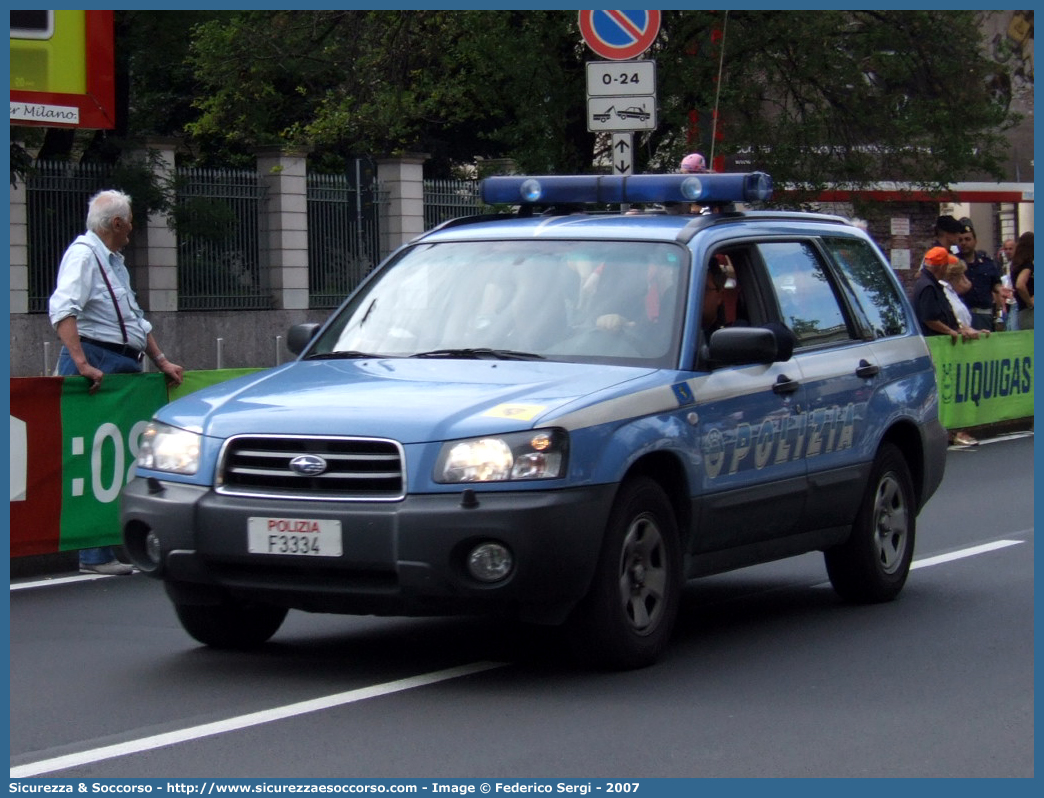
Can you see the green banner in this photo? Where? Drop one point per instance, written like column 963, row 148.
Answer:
column 985, row 380
column 99, row 445
column 194, row 380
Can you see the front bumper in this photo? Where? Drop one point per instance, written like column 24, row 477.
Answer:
column 399, row 558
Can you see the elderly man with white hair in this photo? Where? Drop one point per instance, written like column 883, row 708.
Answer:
column 98, row 320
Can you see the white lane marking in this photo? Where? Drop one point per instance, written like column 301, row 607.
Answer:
column 960, row 554
column 246, row 721
column 340, row 699
column 62, row 580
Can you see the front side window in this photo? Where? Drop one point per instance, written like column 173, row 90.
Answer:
column 578, row 301
column 807, row 302
column 875, row 291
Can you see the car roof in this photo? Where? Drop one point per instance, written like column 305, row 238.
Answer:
column 643, row 225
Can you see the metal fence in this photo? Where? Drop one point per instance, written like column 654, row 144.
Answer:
column 449, row 199
column 343, row 232
column 56, row 196
column 218, row 219
column 218, row 215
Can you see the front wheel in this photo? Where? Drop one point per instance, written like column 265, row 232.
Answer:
column 231, row 624
column 872, row 565
column 625, row 621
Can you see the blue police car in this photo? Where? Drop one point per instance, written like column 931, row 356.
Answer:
column 560, row 414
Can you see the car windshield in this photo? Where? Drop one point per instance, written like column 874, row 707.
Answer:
column 576, row 301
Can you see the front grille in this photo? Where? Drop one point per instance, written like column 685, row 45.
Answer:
column 357, row 469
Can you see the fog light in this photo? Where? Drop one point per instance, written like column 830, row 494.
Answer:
column 490, row 562
column 152, row 547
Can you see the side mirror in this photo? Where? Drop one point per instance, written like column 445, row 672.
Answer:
column 740, row 346
column 300, row 335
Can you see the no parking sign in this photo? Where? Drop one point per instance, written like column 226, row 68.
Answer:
column 619, row 35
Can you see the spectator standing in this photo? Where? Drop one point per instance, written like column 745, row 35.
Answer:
column 936, row 314
column 98, row 320
column 1011, row 309
column 934, row 311
column 1005, row 254
column 693, row 164
column 1022, row 279
column 956, row 285
column 947, row 228
column 983, row 298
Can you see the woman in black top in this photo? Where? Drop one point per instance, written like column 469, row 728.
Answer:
column 1022, row 279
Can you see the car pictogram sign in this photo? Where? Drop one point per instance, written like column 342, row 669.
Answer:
column 619, row 35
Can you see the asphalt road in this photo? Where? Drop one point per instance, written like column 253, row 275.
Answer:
column 769, row 675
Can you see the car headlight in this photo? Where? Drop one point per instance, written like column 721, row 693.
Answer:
column 536, row 454
column 166, row 448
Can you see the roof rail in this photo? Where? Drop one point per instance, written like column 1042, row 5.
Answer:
column 713, row 219
column 459, row 221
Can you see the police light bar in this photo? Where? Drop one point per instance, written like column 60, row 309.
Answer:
column 707, row 189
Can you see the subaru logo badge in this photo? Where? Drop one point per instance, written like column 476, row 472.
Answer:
column 308, row 465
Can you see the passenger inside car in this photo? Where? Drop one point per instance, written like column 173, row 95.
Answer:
column 638, row 299
column 730, row 296
column 537, row 315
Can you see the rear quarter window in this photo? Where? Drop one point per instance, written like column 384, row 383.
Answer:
column 871, row 284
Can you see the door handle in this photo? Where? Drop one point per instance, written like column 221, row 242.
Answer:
column 785, row 385
column 865, row 370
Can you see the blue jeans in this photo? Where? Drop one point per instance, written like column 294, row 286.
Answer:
column 1013, row 318
column 109, row 363
column 102, row 359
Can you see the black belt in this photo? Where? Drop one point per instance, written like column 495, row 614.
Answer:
column 120, row 349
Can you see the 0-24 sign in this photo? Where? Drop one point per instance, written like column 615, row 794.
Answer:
column 621, row 78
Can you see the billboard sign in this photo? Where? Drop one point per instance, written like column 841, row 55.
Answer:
column 63, row 69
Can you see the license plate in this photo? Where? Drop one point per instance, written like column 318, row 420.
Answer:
column 306, row 537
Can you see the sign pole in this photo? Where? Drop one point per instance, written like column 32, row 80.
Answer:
column 621, row 92
column 623, row 159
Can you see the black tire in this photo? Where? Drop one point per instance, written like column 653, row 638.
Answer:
column 230, row 625
column 626, row 619
column 872, row 565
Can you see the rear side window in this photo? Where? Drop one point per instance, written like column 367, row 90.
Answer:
column 808, row 304
column 871, row 285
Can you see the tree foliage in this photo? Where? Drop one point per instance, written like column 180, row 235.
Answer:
column 813, row 97
column 876, row 97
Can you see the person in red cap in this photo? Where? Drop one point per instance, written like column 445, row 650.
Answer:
column 934, row 312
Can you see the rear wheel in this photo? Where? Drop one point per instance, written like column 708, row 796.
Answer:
column 626, row 619
column 231, row 624
column 872, row 565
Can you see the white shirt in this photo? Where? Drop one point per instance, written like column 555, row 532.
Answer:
column 960, row 310
column 81, row 292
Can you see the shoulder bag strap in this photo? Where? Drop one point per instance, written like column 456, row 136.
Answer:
column 112, row 294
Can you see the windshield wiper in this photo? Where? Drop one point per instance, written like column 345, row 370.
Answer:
column 350, row 354
column 481, row 353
